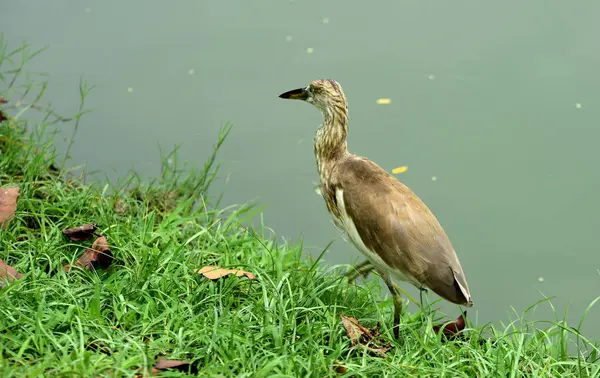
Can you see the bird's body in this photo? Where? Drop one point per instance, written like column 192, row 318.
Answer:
column 392, row 227
column 382, row 217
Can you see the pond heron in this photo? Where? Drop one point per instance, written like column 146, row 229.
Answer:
column 382, row 218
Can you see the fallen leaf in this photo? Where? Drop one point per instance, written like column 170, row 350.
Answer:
column 399, row 169
column 8, row 273
column 384, row 101
column 80, row 233
column 8, row 203
column 163, row 364
column 97, row 256
column 367, row 338
column 339, row 368
column 2, row 115
column 216, row 272
column 181, row 365
column 452, row 328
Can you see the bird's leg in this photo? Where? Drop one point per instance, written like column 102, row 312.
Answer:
column 362, row 269
column 394, row 290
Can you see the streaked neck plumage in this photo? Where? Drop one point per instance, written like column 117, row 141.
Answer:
column 330, row 140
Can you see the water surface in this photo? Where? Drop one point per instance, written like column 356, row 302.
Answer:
column 484, row 99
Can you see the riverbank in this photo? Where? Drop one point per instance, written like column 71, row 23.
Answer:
column 122, row 279
column 142, row 297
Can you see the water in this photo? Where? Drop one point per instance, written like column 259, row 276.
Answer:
column 484, row 98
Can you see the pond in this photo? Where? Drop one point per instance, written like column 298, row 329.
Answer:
column 493, row 108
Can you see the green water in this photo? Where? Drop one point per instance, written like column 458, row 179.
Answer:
column 483, row 98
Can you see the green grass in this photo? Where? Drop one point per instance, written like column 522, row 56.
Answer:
column 151, row 303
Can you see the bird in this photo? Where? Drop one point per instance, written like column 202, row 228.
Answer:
column 380, row 216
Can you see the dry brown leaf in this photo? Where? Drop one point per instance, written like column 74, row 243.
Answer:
column 80, row 233
column 8, row 203
column 452, row 329
column 2, row 115
column 339, row 368
column 97, row 256
column 367, row 338
column 216, row 272
column 8, row 273
column 181, row 365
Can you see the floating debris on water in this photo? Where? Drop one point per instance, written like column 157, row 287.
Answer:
column 130, row 89
column 431, row 77
column 325, row 20
column 399, row 169
column 383, row 101
column 578, row 106
column 541, row 279
column 191, row 71
column 310, row 50
column 288, row 38
column 433, row 178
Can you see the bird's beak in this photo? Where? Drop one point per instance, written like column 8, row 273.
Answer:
column 296, row 94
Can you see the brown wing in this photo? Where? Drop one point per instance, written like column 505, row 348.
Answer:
column 392, row 221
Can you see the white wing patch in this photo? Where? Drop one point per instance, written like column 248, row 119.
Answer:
column 464, row 291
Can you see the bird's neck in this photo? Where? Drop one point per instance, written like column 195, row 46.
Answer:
column 330, row 141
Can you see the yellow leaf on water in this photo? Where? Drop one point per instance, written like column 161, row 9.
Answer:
column 399, row 169
column 383, row 101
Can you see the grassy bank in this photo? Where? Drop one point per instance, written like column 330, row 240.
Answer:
column 146, row 300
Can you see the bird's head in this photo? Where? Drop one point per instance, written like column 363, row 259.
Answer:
column 323, row 94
